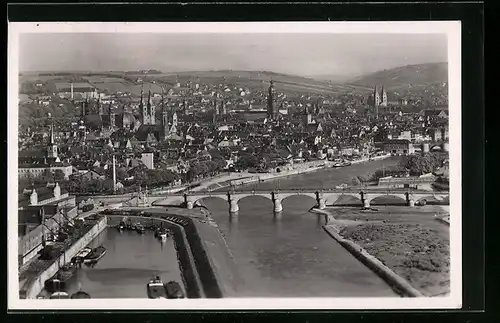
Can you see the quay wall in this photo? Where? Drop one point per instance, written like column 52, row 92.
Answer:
column 37, row 284
column 400, row 285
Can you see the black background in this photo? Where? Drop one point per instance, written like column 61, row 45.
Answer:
column 473, row 143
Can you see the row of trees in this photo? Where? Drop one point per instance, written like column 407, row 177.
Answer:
column 423, row 163
column 205, row 168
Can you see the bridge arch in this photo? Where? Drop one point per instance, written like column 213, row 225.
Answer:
column 285, row 196
column 431, row 198
column 342, row 198
column 382, row 199
column 239, row 197
column 198, row 200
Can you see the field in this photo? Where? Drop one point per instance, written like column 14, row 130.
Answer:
column 120, row 81
column 410, row 241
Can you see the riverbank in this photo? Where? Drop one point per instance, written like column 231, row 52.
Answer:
column 408, row 241
column 297, row 169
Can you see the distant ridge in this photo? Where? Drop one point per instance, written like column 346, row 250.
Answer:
column 421, row 74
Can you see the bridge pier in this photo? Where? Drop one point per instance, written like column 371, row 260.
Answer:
column 233, row 206
column 321, row 203
column 189, row 205
column 411, row 203
column 278, row 207
column 366, row 202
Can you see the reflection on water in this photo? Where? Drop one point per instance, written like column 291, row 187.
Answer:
column 131, row 260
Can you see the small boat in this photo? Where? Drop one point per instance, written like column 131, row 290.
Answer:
column 163, row 234
column 80, row 294
column 60, row 279
column 156, row 289
column 81, row 255
column 95, row 255
column 342, row 163
column 140, row 228
column 341, row 186
column 121, row 226
column 174, row 290
column 59, row 295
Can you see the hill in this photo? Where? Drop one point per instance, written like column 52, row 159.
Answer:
column 421, row 74
column 254, row 80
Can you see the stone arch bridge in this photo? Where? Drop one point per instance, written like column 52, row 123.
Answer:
column 322, row 197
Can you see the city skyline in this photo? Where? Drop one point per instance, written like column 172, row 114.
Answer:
column 310, row 55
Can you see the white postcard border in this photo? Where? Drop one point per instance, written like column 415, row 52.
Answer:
column 451, row 28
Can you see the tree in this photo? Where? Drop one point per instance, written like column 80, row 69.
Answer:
column 59, row 176
column 246, row 162
column 356, row 181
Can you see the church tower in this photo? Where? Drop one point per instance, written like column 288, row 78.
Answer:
column 376, row 97
column 52, row 148
column 151, row 110
column 164, row 116
column 143, row 108
column 100, row 108
column 384, row 98
column 306, row 118
column 270, row 101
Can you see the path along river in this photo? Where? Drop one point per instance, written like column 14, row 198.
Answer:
column 292, row 257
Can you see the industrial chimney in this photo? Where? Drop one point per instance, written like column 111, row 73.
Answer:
column 114, row 174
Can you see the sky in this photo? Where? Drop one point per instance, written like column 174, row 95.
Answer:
column 299, row 54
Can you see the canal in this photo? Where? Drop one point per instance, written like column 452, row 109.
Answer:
column 130, row 261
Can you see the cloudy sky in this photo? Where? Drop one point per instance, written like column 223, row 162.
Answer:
column 301, row 54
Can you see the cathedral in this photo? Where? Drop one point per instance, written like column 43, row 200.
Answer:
column 378, row 99
column 150, row 129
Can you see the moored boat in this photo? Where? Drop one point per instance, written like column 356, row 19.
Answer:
column 140, row 228
column 174, row 290
column 95, row 255
column 60, row 279
column 81, row 255
column 156, row 289
column 163, row 234
column 121, row 226
column 59, row 295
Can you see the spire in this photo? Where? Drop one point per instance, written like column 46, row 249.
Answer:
column 84, row 103
column 52, row 132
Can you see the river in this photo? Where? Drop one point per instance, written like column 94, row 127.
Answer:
column 289, row 257
column 293, row 256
